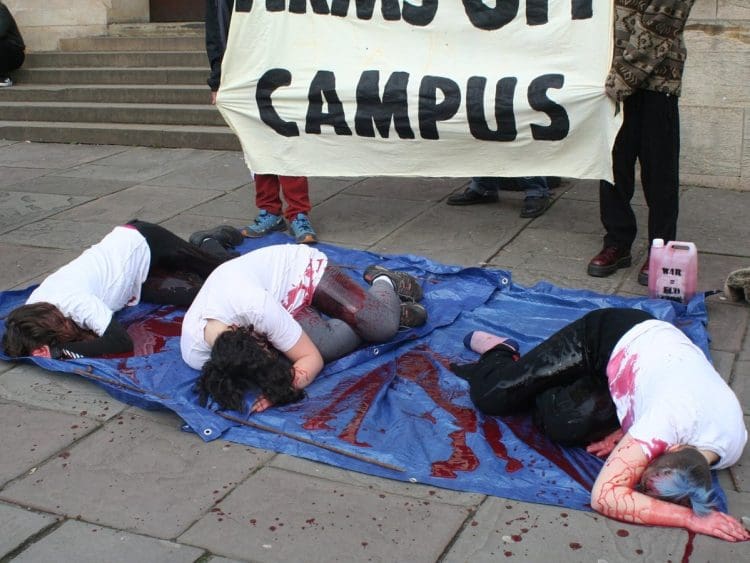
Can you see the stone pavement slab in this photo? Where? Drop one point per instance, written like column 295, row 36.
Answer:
column 321, row 189
column 238, row 205
column 18, row 208
column 20, row 264
column 141, row 460
column 104, row 544
column 225, row 171
column 417, row 189
column 62, row 185
column 347, row 523
column 716, row 221
column 54, row 155
column 53, row 233
column 33, row 435
column 142, row 202
column 56, row 391
column 11, row 176
column 17, row 525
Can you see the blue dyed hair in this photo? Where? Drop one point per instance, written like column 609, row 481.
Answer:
column 679, row 486
column 682, row 476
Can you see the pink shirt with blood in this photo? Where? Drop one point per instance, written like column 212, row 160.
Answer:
column 667, row 392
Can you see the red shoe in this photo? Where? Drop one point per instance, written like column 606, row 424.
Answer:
column 608, row 261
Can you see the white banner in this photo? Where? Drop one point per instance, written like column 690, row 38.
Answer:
column 437, row 88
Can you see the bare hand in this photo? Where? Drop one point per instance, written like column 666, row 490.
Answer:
column 719, row 525
column 213, row 98
column 604, row 447
column 260, row 404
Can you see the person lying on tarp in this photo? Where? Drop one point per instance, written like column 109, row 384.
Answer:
column 257, row 322
column 678, row 417
column 71, row 313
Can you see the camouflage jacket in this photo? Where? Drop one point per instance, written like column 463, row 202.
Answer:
column 649, row 48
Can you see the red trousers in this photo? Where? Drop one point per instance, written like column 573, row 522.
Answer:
column 270, row 187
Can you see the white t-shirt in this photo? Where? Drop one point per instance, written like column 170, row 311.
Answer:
column 667, row 393
column 104, row 279
column 263, row 288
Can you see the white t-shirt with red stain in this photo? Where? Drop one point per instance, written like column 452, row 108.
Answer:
column 668, row 393
column 263, row 288
column 105, row 278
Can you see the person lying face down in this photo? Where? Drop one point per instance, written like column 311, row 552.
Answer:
column 678, row 417
column 258, row 322
column 71, row 313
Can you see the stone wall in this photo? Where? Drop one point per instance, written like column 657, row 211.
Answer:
column 44, row 22
column 715, row 106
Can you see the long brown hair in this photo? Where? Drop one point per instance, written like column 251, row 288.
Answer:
column 31, row 326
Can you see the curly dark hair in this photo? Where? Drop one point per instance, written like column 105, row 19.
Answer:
column 29, row 327
column 241, row 359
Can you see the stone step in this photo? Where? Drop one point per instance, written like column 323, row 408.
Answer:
column 123, row 59
column 109, row 93
column 166, row 136
column 167, row 114
column 108, row 43
column 151, row 29
column 112, row 75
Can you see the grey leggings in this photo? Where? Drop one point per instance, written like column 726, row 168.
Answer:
column 353, row 315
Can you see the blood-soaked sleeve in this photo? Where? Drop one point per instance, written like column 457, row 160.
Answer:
column 614, row 493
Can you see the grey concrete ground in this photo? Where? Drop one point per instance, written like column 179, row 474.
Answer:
column 86, row 478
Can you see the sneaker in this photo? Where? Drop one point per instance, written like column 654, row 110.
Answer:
column 227, row 236
column 6, row 83
column 535, row 206
column 263, row 224
column 412, row 315
column 407, row 287
column 302, row 230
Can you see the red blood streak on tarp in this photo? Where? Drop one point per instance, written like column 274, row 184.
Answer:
column 529, row 435
column 364, row 389
column 688, row 548
column 494, row 436
column 150, row 334
column 418, row 365
column 122, row 367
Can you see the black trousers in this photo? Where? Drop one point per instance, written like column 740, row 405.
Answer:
column 650, row 134
column 563, row 379
column 11, row 57
column 178, row 268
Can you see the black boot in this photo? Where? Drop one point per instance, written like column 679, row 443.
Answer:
column 559, row 360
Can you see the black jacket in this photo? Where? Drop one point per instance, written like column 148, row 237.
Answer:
column 9, row 29
column 218, row 17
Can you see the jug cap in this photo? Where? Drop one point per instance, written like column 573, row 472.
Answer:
column 657, row 243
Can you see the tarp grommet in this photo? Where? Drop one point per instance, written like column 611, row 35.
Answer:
column 207, row 431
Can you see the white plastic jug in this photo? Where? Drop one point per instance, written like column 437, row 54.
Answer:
column 673, row 270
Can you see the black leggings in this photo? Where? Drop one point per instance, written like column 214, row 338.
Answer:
column 564, row 379
column 11, row 57
column 178, row 268
column 353, row 314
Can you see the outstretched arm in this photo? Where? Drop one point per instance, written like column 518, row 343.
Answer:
column 614, row 495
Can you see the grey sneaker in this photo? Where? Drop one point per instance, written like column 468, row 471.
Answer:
column 6, row 83
column 412, row 315
column 407, row 287
column 263, row 224
column 302, row 230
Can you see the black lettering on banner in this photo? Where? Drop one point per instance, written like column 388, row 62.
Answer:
column 537, row 94
column 323, row 85
column 537, row 12
column 270, row 81
column 484, row 17
column 275, row 5
column 243, row 5
column 365, row 8
column 394, row 105
column 582, row 9
column 420, row 15
column 300, row 6
column 506, row 120
column 430, row 111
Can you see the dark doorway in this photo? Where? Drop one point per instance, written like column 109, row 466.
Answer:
column 177, row 10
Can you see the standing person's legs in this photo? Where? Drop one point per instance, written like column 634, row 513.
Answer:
column 268, row 202
column 373, row 313
column 536, row 198
column 11, row 57
column 297, row 196
column 660, row 163
column 482, row 189
column 615, row 211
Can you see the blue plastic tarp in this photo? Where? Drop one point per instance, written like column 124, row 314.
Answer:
column 393, row 410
